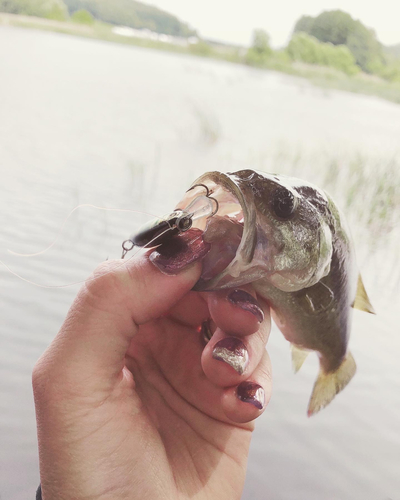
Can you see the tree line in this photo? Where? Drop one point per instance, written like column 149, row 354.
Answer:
column 120, row 12
column 332, row 39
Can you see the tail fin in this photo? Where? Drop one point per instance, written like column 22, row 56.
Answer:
column 328, row 385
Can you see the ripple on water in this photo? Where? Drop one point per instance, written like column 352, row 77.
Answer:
column 89, row 122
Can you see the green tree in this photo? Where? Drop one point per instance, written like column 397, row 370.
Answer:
column 132, row 13
column 260, row 50
column 305, row 48
column 304, row 24
column 332, row 26
column 391, row 71
column 82, row 16
column 57, row 13
column 339, row 28
column 366, row 49
column 261, row 42
column 51, row 9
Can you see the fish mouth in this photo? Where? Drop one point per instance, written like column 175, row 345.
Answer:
column 222, row 238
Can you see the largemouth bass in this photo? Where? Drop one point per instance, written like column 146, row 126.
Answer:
column 289, row 240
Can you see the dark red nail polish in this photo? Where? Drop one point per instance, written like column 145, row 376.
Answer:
column 232, row 351
column 247, row 302
column 250, row 392
column 180, row 251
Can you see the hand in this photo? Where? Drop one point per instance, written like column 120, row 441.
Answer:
column 132, row 404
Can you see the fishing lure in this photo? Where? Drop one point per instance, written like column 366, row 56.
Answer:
column 159, row 231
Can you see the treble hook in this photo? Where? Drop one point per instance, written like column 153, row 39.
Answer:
column 208, row 196
column 158, row 231
column 202, row 185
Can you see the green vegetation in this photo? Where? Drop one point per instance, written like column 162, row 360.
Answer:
column 353, row 57
column 325, row 64
column 82, row 16
column 331, row 50
column 133, row 14
column 339, row 28
column 260, row 51
column 49, row 9
column 306, row 48
column 366, row 187
column 120, row 12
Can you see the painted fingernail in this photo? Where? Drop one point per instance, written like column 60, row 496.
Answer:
column 233, row 352
column 247, row 302
column 252, row 393
column 180, row 251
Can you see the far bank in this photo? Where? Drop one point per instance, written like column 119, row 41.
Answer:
column 321, row 76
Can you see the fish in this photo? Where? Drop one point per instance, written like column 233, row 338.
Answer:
column 288, row 239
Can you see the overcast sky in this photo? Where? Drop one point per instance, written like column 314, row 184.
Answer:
column 234, row 20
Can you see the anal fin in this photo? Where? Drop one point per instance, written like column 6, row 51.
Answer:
column 362, row 301
column 298, row 357
column 328, row 385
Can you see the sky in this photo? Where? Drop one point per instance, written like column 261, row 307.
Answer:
column 234, row 20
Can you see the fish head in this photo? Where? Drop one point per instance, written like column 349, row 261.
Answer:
column 270, row 227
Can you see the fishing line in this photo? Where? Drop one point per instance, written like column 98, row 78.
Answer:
column 122, row 263
column 40, row 285
column 83, row 205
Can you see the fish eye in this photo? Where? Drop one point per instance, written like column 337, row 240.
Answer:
column 283, row 203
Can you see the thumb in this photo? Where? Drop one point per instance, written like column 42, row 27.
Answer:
column 105, row 316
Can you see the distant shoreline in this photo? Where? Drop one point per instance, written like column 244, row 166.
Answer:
column 319, row 75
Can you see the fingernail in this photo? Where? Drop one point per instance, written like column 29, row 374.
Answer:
column 180, row 251
column 252, row 393
column 246, row 302
column 233, row 352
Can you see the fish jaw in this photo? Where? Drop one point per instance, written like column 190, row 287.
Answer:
column 239, row 270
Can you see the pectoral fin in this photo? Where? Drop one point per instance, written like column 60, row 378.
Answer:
column 328, row 385
column 362, row 301
column 298, row 357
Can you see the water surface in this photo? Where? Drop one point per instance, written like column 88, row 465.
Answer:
column 84, row 121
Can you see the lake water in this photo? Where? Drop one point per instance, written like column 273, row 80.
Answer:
column 87, row 122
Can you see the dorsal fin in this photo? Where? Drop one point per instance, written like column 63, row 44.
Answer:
column 362, row 301
column 298, row 357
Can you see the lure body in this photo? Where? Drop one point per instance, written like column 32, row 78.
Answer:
column 158, row 231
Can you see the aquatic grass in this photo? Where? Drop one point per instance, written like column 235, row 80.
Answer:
column 367, row 188
column 332, row 172
column 209, row 126
column 385, row 200
column 367, row 191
